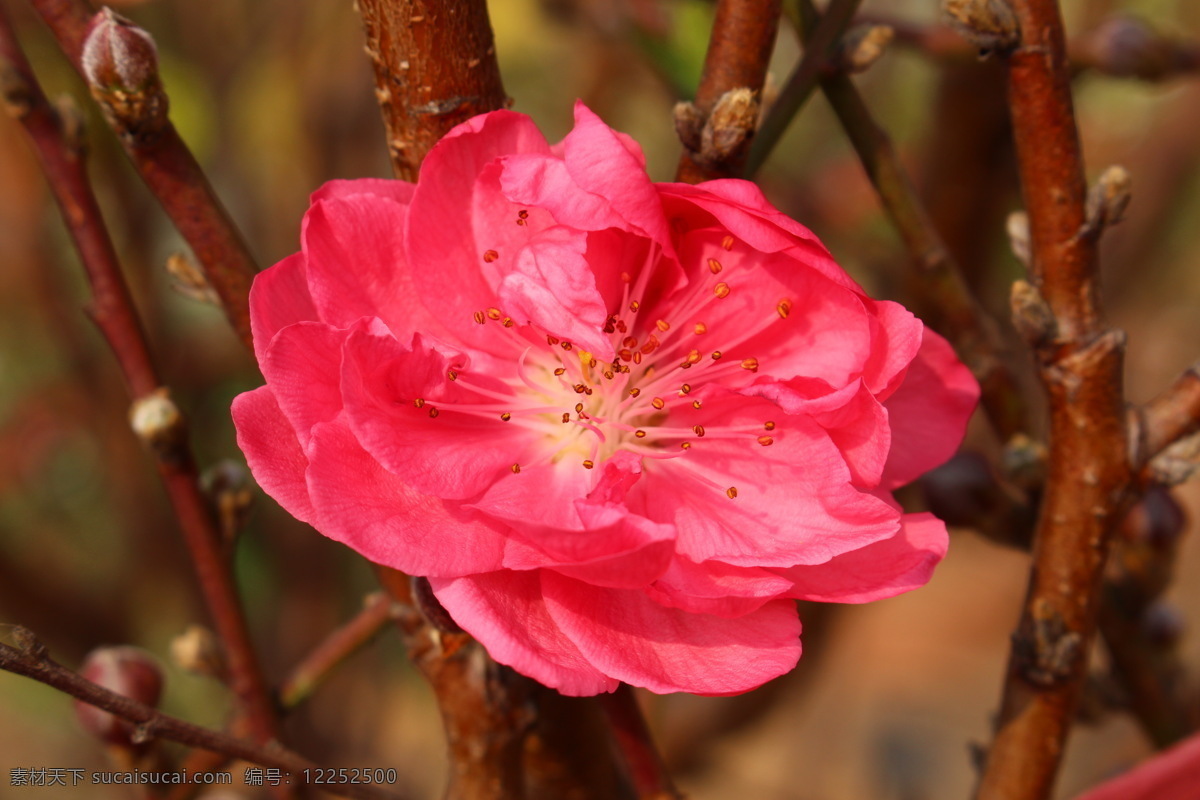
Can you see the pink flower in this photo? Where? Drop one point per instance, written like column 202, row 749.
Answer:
column 619, row 425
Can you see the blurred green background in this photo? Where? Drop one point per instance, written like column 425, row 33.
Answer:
column 275, row 97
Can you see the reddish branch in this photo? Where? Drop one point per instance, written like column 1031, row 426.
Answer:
column 743, row 37
column 114, row 314
column 1089, row 473
column 1169, row 417
column 336, row 648
column 646, row 767
column 170, row 171
column 32, row 662
column 435, row 66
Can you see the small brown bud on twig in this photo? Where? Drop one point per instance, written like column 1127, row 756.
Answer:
column 862, row 46
column 120, row 63
column 1017, row 228
column 1108, row 199
column 1178, row 462
column 128, row 671
column 198, row 651
column 989, row 25
column 689, row 124
column 730, row 126
column 1126, row 47
column 158, row 422
column 1031, row 314
column 1024, row 461
column 189, row 280
column 231, row 489
column 118, row 55
column 28, row 642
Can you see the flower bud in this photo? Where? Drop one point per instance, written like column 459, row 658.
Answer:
column 158, row 422
column 988, row 24
column 118, row 55
column 198, row 651
column 863, row 46
column 1032, row 316
column 128, row 671
column 1158, row 520
column 1108, row 199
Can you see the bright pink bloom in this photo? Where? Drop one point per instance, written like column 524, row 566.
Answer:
column 619, row 425
column 1171, row 775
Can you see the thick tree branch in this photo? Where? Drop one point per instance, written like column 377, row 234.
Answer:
column 138, row 115
column 722, row 119
column 154, row 417
column 31, row 661
column 435, row 66
column 1089, row 470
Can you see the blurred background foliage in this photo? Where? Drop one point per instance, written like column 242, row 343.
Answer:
column 275, row 97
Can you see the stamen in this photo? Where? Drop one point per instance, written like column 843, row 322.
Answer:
column 494, row 313
column 479, row 317
column 588, row 464
column 658, row 403
column 506, row 416
column 750, row 364
column 639, row 433
column 714, row 266
column 784, row 308
column 716, row 355
column 452, row 375
column 700, row 328
column 696, row 404
column 634, row 392
column 721, row 290
column 419, row 402
column 433, row 412
column 765, row 441
column 731, row 492
column 663, row 325
column 685, row 389
column 698, row 430
column 634, row 306
column 727, row 242
column 490, row 255
column 769, row 425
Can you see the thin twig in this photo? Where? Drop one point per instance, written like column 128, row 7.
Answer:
column 739, row 51
column 342, row 643
column 171, row 173
column 646, row 767
column 435, row 66
column 1089, row 472
column 948, row 306
column 113, row 312
column 32, row 662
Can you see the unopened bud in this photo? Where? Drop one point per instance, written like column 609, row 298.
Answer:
column 1017, row 228
column 231, row 489
column 863, row 46
column 1126, row 47
column 158, row 422
column 1163, row 625
column 120, row 63
column 118, row 55
column 1158, row 520
column 127, row 671
column 689, row 124
column 1031, row 314
column 989, row 25
column 730, row 126
column 197, row 651
column 189, row 280
column 1108, row 199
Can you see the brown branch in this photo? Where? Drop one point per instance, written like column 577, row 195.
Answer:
column 1173, row 415
column 646, row 767
column 138, row 115
column 435, row 66
column 31, row 661
column 948, row 305
column 154, row 417
column 739, row 51
column 377, row 611
column 1089, row 472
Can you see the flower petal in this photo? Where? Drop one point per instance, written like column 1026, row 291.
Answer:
column 928, row 412
column 272, row 451
column 883, row 569
column 506, row 613
column 302, row 366
column 716, row 588
column 279, row 297
column 630, row 637
column 1172, row 774
column 365, row 507
column 398, row 191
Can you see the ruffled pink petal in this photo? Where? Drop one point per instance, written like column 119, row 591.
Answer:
column 272, row 451
column 279, row 297
column 472, row 251
column 357, row 268
column 896, row 337
column 794, row 503
column 740, row 208
column 631, row 638
column 302, row 367
column 716, row 588
column 883, row 569
column 359, row 503
column 1173, row 774
column 552, row 287
column 566, row 519
column 398, row 191
column 401, row 404
column 506, row 613
column 928, row 412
